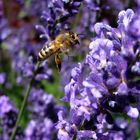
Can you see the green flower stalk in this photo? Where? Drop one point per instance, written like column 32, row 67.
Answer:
column 24, row 102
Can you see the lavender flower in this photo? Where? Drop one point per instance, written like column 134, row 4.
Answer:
column 102, row 84
column 43, row 105
column 8, row 115
column 39, row 129
column 56, row 16
column 5, row 105
column 43, row 110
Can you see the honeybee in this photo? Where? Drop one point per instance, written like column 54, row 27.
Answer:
column 63, row 43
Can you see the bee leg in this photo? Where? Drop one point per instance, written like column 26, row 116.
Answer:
column 58, row 62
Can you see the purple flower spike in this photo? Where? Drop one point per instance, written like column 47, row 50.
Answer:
column 39, row 129
column 108, row 83
column 55, row 16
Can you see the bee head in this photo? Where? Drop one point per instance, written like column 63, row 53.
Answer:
column 74, row 36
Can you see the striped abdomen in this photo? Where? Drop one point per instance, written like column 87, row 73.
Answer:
column 47, row 51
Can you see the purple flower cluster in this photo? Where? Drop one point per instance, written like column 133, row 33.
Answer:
column 43, row 105
column 55, row 17
column 90, row 12
column 93, row 11
column 39, row 129
column 8, row 115
column 105, row 84
column 43, row 118
column 43, row 109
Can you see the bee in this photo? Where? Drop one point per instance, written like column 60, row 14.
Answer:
column 63, row 43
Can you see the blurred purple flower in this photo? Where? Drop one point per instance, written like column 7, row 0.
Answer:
column 8, row 116
column 43, row 105
column 2, row 78
column 56, row 16
column 39, row 129
column 44, row 108
column 5, row 105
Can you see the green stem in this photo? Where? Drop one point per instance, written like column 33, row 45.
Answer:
column 24, row 102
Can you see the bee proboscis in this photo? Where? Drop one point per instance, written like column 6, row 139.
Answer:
column 63, row 43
